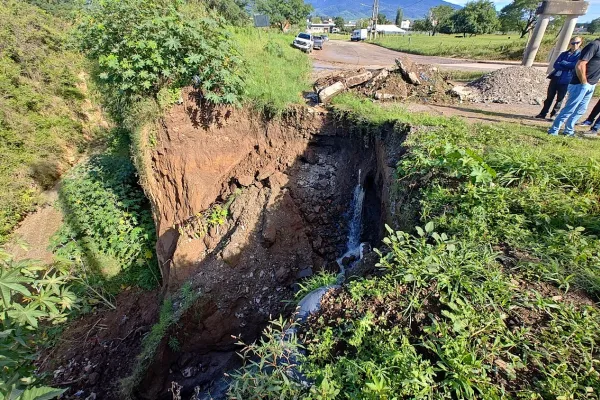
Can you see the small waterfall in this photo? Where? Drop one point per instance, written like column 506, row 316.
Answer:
column 353, row 245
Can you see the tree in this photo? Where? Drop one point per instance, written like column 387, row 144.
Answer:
column 440, row 17
column 477, row 17
column 382, row 19
column 234, row 11
column 594, row 26
column 422, row 25
column 399, row 16
column 282, row 12
column 519, row 16
column 316, row 20
column 339, row 23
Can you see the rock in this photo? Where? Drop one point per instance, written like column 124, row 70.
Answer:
column 317, row 242
column 348, row 260
column 189, row 372
column 281, row 274
column 269, row 232
column 358, row 79
column 305, row 273
column 463, row 93
column 378, row 76
column 408, row 75
column 330, row 91
column 278, row 179
column 93, row 378
column 92, row 396
column 383, row 96
column 266, row 171
column 245, row 180
column 232, row 254
column 310, row 156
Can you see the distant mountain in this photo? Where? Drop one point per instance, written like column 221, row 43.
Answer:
column 355, row 9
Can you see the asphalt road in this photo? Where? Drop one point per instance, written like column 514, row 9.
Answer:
column 338, row 54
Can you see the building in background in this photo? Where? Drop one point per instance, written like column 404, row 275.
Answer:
column 405, row 24
column 327, row 26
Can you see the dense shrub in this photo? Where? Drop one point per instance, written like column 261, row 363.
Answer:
column 142, row 46
column 108, row 223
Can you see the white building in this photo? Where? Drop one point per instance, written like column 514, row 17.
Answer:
column 390, row 30
column 322, row 27
column 405, row 24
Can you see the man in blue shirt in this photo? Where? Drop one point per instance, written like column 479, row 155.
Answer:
column 581, row 89
column 561, row 76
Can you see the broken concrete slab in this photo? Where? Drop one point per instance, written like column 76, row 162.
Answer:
column 358, row 79
column 330, row 91
column 408, row 75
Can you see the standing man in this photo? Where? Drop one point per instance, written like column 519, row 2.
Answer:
column 581, row 89
column 561, row 76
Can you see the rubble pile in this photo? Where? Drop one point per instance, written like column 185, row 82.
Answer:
column 511, row 85
column 406, row 80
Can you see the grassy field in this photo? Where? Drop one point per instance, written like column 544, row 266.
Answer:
column 275, row 73
column 481, row 47
column 490, row 292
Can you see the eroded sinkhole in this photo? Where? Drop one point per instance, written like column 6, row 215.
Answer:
column 289, row 191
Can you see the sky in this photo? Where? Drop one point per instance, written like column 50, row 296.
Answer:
column 593, row 10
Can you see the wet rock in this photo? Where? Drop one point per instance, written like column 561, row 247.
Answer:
column 317, row 242
column 305, row 273
column 310, row 156
column 92, row 396
column 327, row 93
column 189, row 372
column 346, row 261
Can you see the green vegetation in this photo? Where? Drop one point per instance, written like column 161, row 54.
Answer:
column 322, row 278
column 275, row 74
column 171, row 311
column 480, row 47
column 518, row 16
column 41, row 128
column 142, row 46
column 34, row 297
column 490, row 295
column 463, row 75
column 284, row 12
column 108, row 223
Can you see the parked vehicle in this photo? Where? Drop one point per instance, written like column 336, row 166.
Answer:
column 358, row 34
column 318, row 42
column 304, row 41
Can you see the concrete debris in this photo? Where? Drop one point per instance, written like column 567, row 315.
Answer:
column 358, row 79
column 408, row 75
column 327, row 93
column 463, row 93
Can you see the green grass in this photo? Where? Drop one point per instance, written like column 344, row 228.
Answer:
column 41, row 123
column 481, row 47
column 275, row 73
column 490, row 293
column 463, row 76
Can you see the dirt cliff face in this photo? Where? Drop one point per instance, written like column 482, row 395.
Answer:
column 287, row 186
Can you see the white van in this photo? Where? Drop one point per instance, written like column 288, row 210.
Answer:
column 358, row 34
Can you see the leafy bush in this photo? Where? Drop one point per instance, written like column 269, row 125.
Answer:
column 32, row 297
column 108, row 223
column 143, row 46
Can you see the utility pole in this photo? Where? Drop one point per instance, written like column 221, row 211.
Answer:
column 374, row 19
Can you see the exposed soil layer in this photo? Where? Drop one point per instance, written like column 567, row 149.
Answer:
column 288, row 185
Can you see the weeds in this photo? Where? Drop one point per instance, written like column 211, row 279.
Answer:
column 488, row 295
column 171, row 311
column 322, row 278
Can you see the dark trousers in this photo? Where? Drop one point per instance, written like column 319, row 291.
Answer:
column 594, row 113
column 554, row 89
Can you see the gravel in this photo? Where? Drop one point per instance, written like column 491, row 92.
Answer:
column 512, row 85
